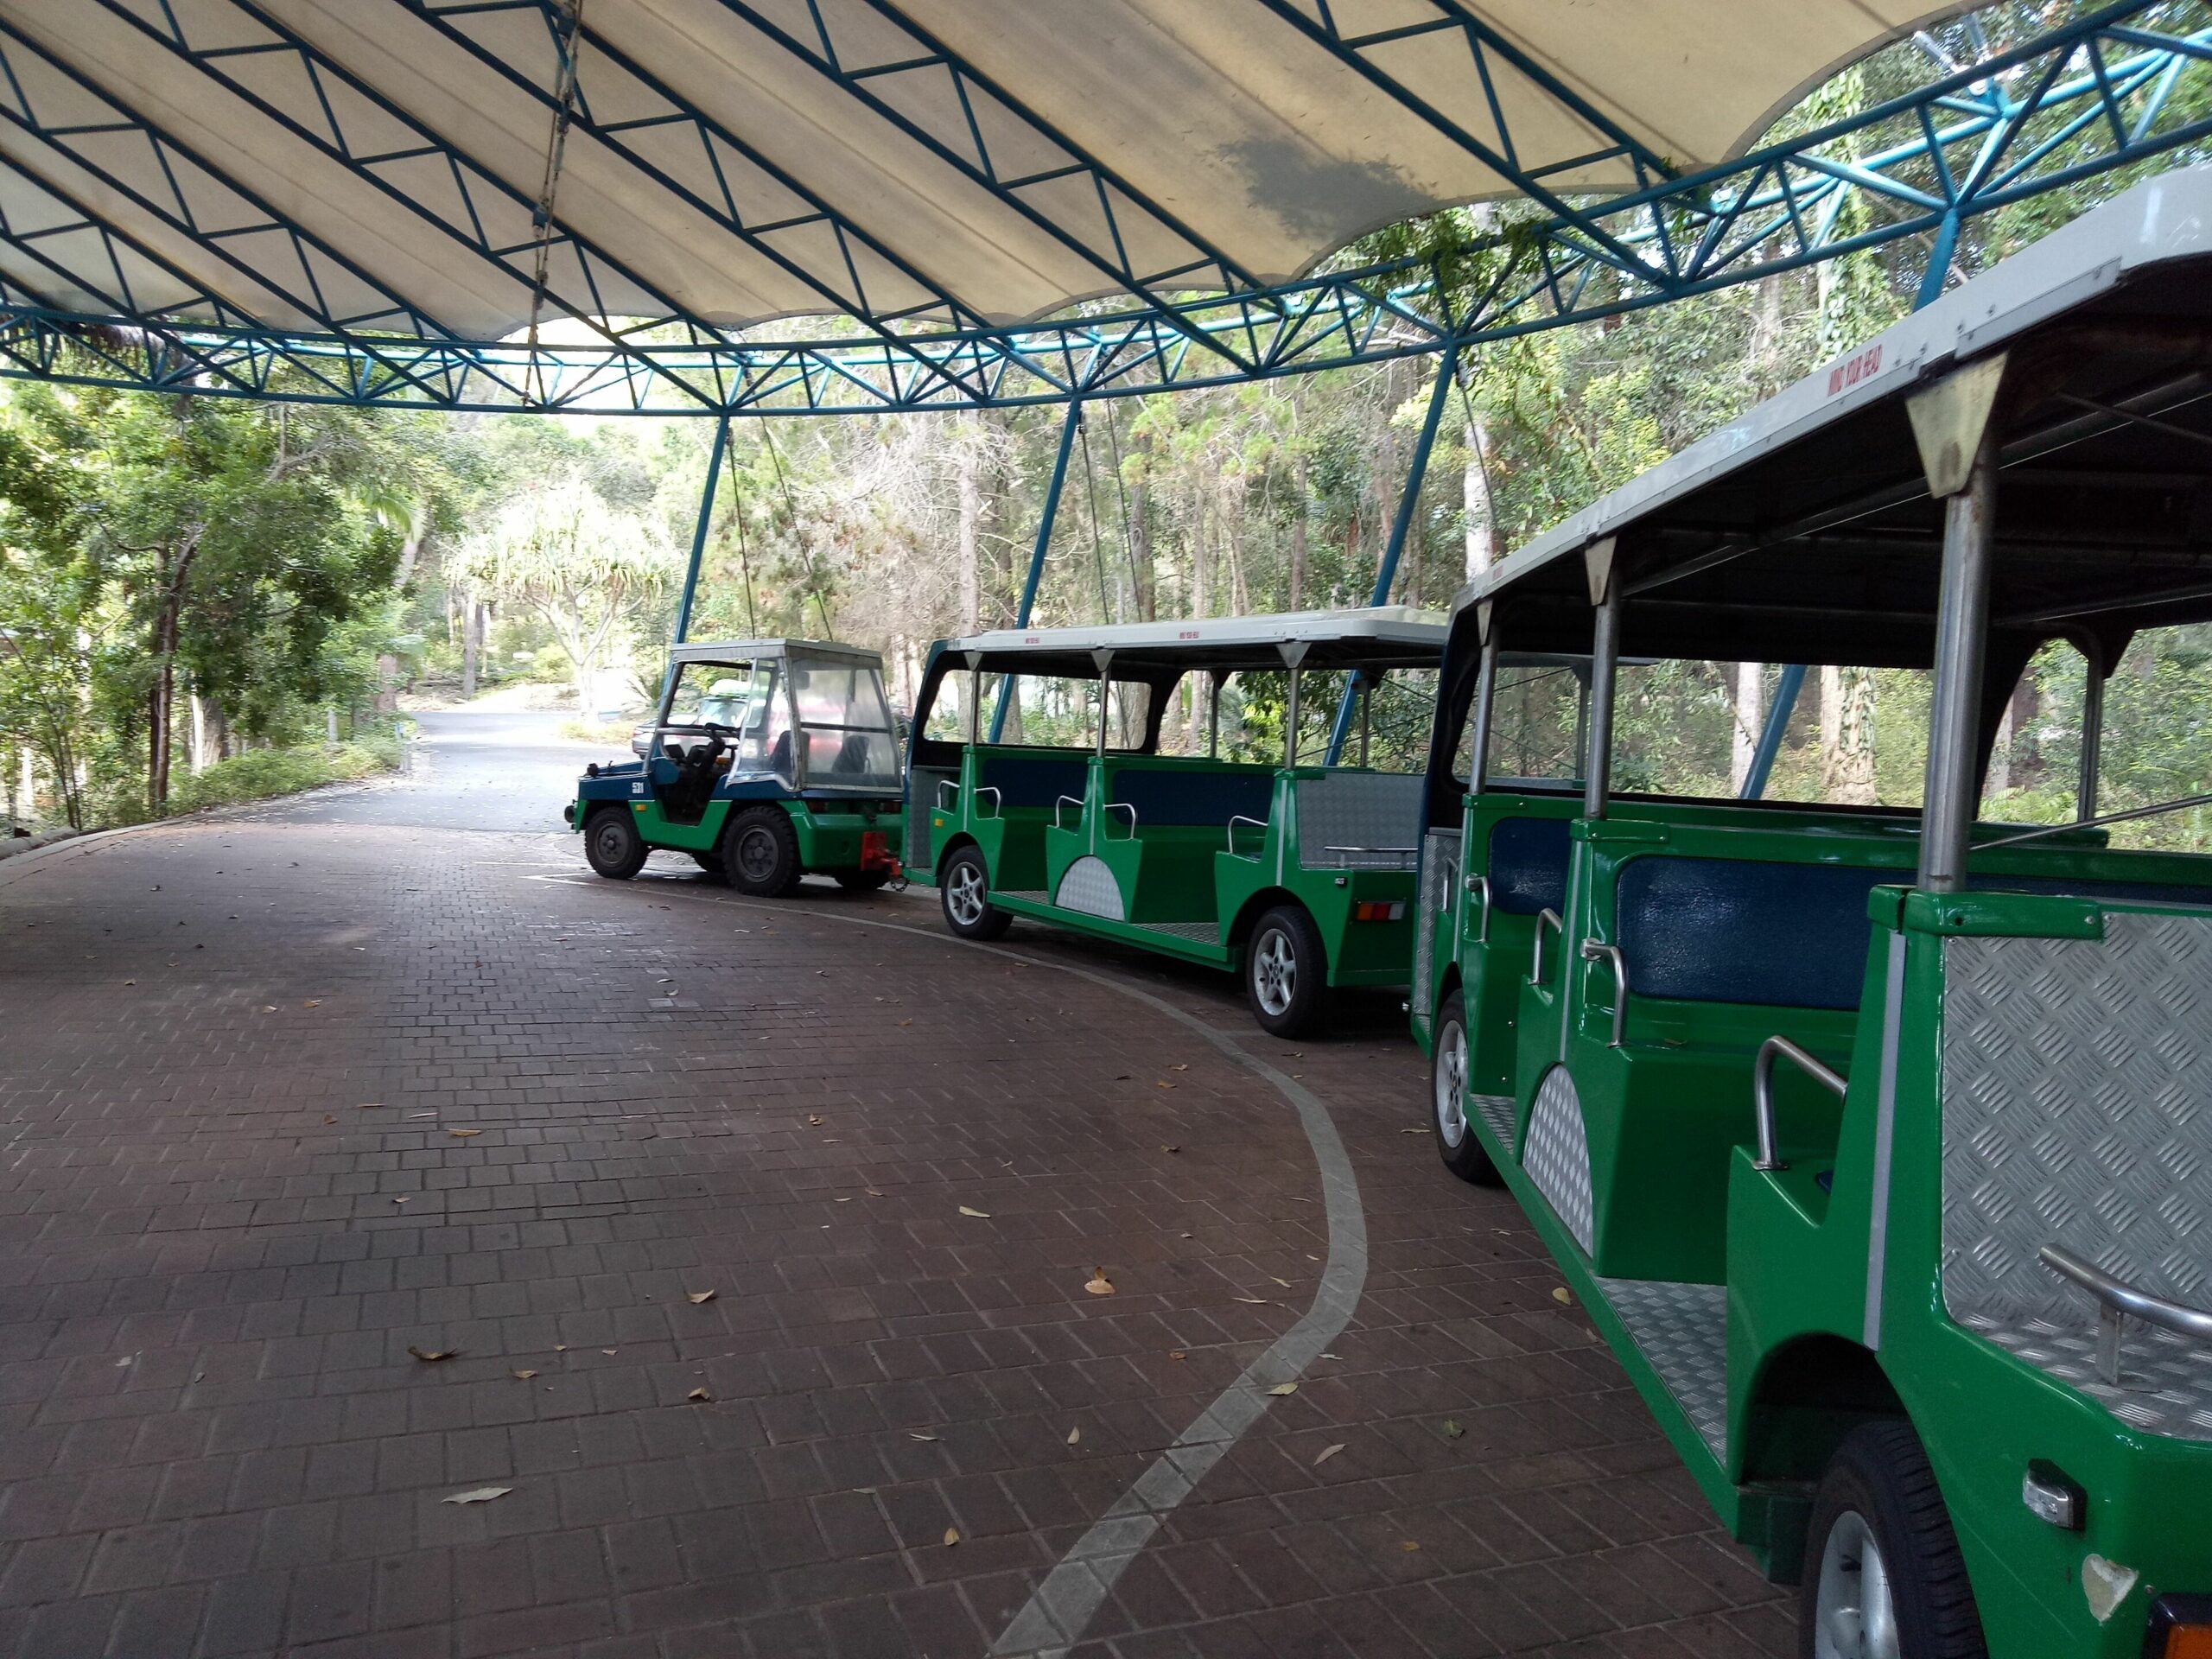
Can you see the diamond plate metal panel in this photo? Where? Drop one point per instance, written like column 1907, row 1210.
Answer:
column 2075, row 1112
column 1359, row 809
column 1204, row 933
column 1496, row 1113
column 2165, row 1381
column 1682, row 1331
column 1557, row 1156
column 1439, row 870
column 1088, row 889
column 921, row 797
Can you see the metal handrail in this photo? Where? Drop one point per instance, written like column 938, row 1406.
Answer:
column 1079, row 805
column 1122, row 806
column 1260, row 824
column 1545, row 918
column 1597, row 951
column 943, row 784
column 998, row 801
column 1763, row 1091
column 1478, row 887
column 2116, row 1299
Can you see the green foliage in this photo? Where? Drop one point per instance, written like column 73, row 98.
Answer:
column 260, row 773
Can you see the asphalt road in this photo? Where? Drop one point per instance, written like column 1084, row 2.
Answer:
column 470, row 769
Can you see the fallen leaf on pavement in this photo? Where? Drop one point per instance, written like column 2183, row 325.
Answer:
column 1409, row 1546
column 431, row 1354
column 1167, row 1148
column 609, row 1350
column 952, row 1534
column 522, row 1377
column 699, row 1394
column 316, row 1003
column 913, row 1436
column 1284, row 1388
column 981, row 1215
column 1412, row 1131
column 1256, row 1301
column 1328, row 1452
column 1562, row 1295
column 480, row 1495
column 464, row 1134
column 1452, row 1429
column 1178, row 1354
column 1074, row 1434
column 872, row 1192
column 1099, row 1284
column 698, row 1296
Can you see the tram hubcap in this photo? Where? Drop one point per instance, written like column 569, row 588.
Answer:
column 1855, row 1615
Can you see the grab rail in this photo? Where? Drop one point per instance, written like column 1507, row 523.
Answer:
column 1260, row 824
column 943, row 784
column 1123, row 806
column 998, row 801
column 1478, row 886
column 1597, row 950
column 1763, row 1091
column 2116, row 1298
column 1067, row 800
column 1545, row 918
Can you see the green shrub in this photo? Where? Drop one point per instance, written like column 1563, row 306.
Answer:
column 259, row 774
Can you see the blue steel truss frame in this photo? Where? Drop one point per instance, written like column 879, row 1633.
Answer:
column 2118, row 85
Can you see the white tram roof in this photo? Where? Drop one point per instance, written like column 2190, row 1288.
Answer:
column 751, row 650
column 1803, row 530
column 1375, row 636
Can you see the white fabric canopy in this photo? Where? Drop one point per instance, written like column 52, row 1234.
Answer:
column 720, row 153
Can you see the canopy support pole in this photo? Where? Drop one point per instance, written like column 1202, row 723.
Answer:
column 1447, row 367
column 1036, row 554
column 1605, row 658
column 699, row 530
column 1786, row 692
column 1485, row 699
column 2093, row 729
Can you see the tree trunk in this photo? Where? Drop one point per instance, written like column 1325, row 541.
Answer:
column 1142, row 583
column 1201, row 602
column 1233, row 503
column 968, row 465
column 1750, row 722
column 1847, row 735
column 1298, row 548
column 471, row 643
column 1475, row 505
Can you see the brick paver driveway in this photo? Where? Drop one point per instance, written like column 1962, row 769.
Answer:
column 756, row 1238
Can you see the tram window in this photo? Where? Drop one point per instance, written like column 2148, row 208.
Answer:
column 1044, row 711
column 2154, row 746
column 1536, row 725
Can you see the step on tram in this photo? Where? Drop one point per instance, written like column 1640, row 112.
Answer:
column 1042, row 783
column 1876, row 1138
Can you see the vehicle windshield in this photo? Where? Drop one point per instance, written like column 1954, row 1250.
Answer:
column 846, row 724
column 743, row 698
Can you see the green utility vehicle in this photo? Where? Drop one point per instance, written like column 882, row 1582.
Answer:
column 1299, row 875
column 792, row 769
column 1878, row 1140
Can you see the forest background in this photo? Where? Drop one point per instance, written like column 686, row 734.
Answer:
column 205, row 600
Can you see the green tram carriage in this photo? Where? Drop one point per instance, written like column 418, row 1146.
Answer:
column 792, row 770
column 1879, row 1140
column 1299, row 875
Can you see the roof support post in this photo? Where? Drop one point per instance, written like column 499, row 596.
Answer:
column 1448, row 365
column 1605, row 658
column 699, row 530
column 1068, row 428
column 1485, row 701
column 1293, row 655
column 1958, row 442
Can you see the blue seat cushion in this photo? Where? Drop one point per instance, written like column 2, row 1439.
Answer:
column 1179, row 798
column 1528, row 865
column 1730, row 930
column 1034, row 779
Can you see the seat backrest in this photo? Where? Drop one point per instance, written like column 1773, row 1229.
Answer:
column 1735, row 930
column 1376, row 811
column 1034, row 779
column 1528, row 865
column 2077, row 1111
column 1184, row 796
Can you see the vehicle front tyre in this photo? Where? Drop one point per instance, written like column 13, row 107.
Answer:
column 1456, row 1144
column 760, row 852
column 963, row 888
column 863, row 880
column 613, row 846
column 1883, row 1576
column 1286, row 973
